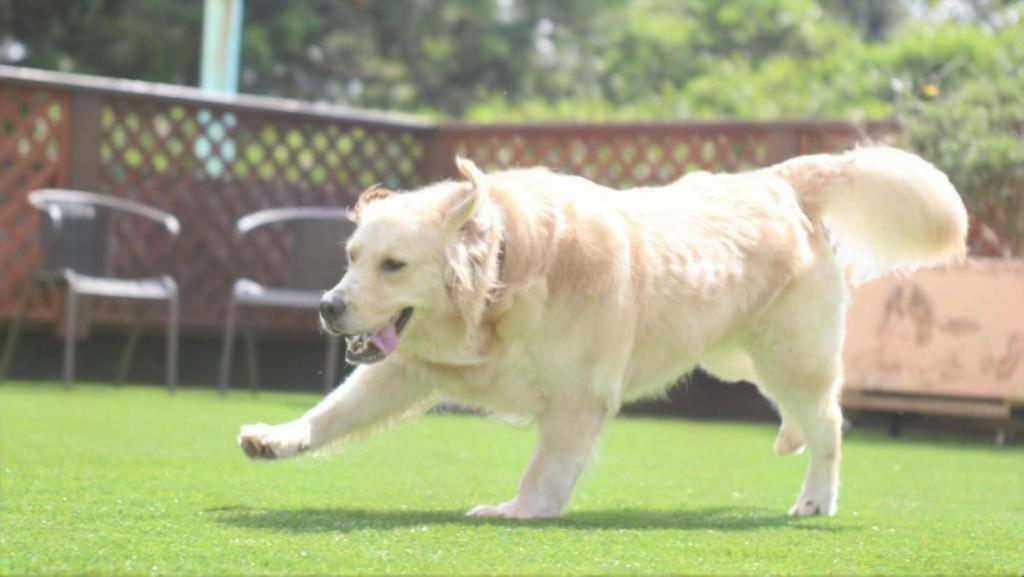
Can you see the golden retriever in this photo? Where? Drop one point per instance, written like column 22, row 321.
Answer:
column 539, row 295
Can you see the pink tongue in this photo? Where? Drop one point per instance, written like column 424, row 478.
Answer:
column 386, row 340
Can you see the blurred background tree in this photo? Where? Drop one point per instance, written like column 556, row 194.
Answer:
column 545, row 59
column 149, row 40
column 951, row 70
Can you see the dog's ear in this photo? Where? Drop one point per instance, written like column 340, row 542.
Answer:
column 462, row 205
column 375, row 192
column 472, row 271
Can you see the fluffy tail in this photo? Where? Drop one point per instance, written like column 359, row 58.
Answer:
column 885, row 209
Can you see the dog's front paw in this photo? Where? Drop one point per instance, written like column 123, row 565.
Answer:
column 490, row 511
column 262, row 441
column 510, row 510
column 808, row 505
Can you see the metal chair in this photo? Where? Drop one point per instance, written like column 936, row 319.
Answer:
column 74, row 242
column 317, row 262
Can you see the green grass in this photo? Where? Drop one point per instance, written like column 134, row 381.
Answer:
column 132, row 480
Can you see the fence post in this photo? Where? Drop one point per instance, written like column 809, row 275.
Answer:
column 85, row 134
column 783, row 142
column 439, row 156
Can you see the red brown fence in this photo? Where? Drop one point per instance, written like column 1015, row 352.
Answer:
column 211, row 158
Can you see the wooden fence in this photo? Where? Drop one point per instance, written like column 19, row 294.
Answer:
column 211, row 158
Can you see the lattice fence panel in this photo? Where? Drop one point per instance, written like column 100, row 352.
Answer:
column 211, row 165
column 618, row 158
column 624, row 156
column 210, row 162
column 33, row 142
column 815, row 139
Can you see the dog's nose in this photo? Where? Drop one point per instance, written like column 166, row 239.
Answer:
column 331, row 307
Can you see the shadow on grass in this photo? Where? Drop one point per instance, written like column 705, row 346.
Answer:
column 977, row 440
column 340, row 520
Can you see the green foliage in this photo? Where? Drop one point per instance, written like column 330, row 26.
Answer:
column 796, row 62
column 143, row 39
column 662, row 59
column 546, row 59
column 429, row 56
column 874, row 19
column 974, row 130
column 128, row 480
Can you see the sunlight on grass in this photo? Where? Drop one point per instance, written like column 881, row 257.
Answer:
column 132, row 480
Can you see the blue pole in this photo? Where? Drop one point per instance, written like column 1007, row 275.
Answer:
column 222, row 45
column 218, row 70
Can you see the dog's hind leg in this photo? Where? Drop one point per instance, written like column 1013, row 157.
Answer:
column 796, row 350
column 815, row 410
column 730, row 362
column 567, row 435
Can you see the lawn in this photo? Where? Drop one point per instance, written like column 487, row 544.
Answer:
column 132, row 480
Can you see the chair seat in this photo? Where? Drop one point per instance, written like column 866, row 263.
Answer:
column 251, row 292
column 159, row 288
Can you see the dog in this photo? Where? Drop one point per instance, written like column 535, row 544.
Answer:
column 548, row 297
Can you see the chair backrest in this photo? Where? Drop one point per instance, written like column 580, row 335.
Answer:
column 316, row 237
column 75, row 233
column 74, row 237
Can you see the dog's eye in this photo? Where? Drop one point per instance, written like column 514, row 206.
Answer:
column 392, row 265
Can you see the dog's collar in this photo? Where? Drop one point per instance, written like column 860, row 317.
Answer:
column 501, row 258
column 501, row 270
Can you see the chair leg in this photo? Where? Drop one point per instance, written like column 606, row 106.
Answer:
column 226, row 354
column 252, row 361
column 71, row 334
column 125, row 364
column 173, row 314
column 330, row 364
column 14, row 332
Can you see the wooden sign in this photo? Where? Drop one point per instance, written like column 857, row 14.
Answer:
column 956, row 331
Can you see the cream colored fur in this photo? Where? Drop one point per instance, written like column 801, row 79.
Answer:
column 605, row 296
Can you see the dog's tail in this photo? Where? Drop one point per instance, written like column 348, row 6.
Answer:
column 885, row 209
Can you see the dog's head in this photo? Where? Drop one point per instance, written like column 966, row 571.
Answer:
column 413, row 257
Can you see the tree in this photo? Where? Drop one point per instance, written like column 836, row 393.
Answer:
column 142, row 39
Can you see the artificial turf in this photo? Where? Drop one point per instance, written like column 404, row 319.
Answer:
column 132, row 480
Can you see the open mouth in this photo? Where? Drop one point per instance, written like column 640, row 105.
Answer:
column 368, row 348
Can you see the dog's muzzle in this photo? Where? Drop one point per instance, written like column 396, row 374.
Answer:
column 332, row 306
column 370, row 347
